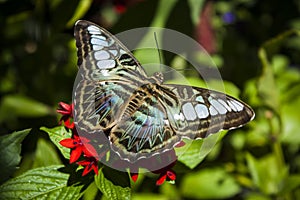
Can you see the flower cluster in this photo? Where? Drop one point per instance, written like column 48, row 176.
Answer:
column 81, row 147
column 67, row 114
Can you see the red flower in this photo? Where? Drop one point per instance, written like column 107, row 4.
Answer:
column 120, row 8
column 90, row 164
column 134, row 176
column 67, row 111
column 79, row 145
column 168, row 175
column 121, row 5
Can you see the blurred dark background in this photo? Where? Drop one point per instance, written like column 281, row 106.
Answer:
column 38, row 55
column 38, row 68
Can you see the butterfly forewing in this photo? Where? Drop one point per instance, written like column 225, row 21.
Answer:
column 98, row 50
column 108, row 75
column 139, row 115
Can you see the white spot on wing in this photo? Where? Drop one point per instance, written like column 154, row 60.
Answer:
column 97, row 47
column 106, row 64
column 113, row 52
column 122, row 51
column 93, row 28
column 238, row 105
column 105, row 72
column 225, row 104
column 179, row 117
column 100, row 37
column 232, row 106
column 95, row 32
column 220, row 108
column 202, row 111
column 101, row 55
column 189, row 111
column 200, row 99
column 96, row 41
column 212, row 110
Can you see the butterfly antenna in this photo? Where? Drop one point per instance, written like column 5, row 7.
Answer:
column 159, row 51
column 160, row 54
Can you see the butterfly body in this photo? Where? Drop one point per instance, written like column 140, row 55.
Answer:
column 140, row 115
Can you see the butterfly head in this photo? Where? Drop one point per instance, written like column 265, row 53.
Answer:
column 158, row 78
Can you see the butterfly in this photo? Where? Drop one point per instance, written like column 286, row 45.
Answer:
column 139, row 114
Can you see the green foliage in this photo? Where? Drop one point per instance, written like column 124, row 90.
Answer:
column 10, row 149
column 13, row 106
column 268, row 181
column 213, row 183
column 38, row 67
column 193, row 152
column 40, row 183
column 45, row 154
column 110, row 190
column 56, row 135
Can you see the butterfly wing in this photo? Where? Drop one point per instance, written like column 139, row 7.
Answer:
column 100, row 51
column 140, row 117
column 108, row 75
column 203, row 112
column 165, row 114
column 144, row 129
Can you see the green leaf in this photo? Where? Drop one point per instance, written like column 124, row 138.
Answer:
column 189, row 154
column 224, row 86
column 149, row 196
column 251, row 93
column 195, row 7
column 10, row 149
column 40, row 183
column 288, row 85
column 210, row 183
column 290, row 122
column 91, row 192
column 217, row 85
column 266, row 83
column 279, row 64
column 292, row 182
column 149, row 55
column 45, row 154
column 22, row 106
column 170, row 191
column 57, row 134
column 268, row 181
column 162, row 13
column 110, row 190
column 80, row 11
column 257, row 196
column 193, row 152
column 259, row 125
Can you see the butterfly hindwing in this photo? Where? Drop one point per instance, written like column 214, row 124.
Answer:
column 203, row 111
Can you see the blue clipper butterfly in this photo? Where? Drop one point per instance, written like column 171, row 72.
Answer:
column 139, row 115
